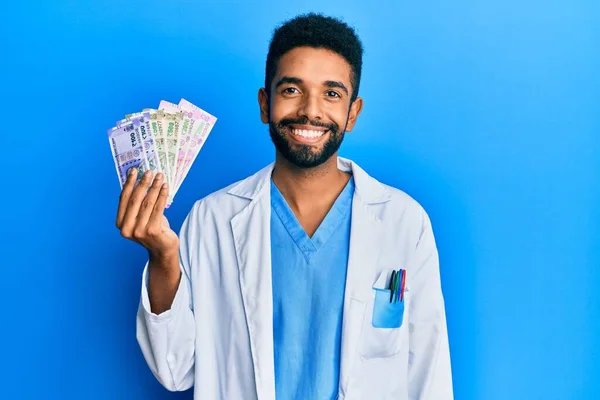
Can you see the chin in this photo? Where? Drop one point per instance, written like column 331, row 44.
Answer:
column 303, row 160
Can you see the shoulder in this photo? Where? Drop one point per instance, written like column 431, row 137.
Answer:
column 220, row 202
column 403, row 207
column 391, row 205
column 401, row 200
column 385, row 198
column 225, row 203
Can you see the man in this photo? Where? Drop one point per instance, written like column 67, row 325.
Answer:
column 278, row 286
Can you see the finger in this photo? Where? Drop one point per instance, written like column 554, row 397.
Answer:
column 148, row 203
column 125, row 194
column 159, row 207
column 131, row 213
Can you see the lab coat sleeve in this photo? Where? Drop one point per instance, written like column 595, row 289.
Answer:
column 429, row 372
column 167, row 339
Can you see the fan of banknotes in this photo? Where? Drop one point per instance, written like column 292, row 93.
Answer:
column 167, row 140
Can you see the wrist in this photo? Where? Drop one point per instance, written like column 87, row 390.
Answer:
column 168, row 261
column 164, row 256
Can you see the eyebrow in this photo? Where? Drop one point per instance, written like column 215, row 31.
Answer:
column 336, row 84
column 288, row 79
column 297, row 81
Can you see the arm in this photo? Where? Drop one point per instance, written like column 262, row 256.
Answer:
column 165, row 321
column 167, row 339
column 166, row 330
column 429, row 372
column 164, row 276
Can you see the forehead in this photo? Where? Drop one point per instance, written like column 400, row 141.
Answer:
column 314, row 66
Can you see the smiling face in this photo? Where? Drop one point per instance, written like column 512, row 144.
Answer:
column 309, row 109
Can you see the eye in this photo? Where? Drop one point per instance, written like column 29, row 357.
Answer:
column 332, row 93
column 290, row 90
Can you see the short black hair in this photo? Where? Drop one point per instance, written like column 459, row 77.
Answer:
column 321, row 32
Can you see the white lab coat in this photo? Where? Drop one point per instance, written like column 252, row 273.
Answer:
column 218, row 334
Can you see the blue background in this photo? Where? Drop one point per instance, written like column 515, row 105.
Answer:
column 485, row 111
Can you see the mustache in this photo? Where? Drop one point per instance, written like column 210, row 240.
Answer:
column 284, row 122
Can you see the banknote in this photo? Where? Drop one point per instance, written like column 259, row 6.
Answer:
column 188, row 120
column 185, row 156
column 127, row 151
column 173, row 121
column 202, row 128
column 156, row 123
column 141, row 122
column 167, row 140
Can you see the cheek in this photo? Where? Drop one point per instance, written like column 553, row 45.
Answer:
column 336, row 111
column 340, row 118
column 282, row 108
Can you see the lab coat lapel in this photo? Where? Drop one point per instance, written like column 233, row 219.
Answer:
column 252, row 237
column 365, row 243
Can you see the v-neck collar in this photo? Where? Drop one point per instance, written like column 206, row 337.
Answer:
column 332, row 220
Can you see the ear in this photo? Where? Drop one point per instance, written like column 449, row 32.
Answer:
column 355, row 110
column 263, row 102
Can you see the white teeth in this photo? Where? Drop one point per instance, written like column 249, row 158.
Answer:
column 307, row 133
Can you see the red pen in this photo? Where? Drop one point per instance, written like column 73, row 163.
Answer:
column 403, row 284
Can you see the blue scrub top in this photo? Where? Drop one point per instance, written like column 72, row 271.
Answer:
column 309, row 279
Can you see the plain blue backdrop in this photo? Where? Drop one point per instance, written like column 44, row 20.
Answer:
column 484, row 111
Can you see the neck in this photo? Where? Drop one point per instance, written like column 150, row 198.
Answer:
column 304, row 188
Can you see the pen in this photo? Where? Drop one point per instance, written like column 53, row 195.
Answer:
column 403, row 285
column 391, row 286
column 397, row 289
column 396, row 284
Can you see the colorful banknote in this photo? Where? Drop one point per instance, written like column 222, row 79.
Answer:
column 203, row 125
column 167, row 140
column 127, row 150
column 180, row 132
column 172, row 123
column 156, row 123
column 141, row 123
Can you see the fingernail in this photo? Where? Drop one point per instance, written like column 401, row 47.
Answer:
column 159, row 176
column 148, row 173
column 132, row 171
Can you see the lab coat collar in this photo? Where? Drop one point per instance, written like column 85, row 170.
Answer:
column 369, row 189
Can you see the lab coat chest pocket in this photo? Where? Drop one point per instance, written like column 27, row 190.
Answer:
column 385, row 323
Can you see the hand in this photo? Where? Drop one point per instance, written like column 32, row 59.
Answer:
column 141, row 218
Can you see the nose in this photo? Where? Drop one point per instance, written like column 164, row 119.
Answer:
column 310, row 107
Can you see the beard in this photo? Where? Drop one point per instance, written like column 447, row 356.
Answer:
column 305, row 155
